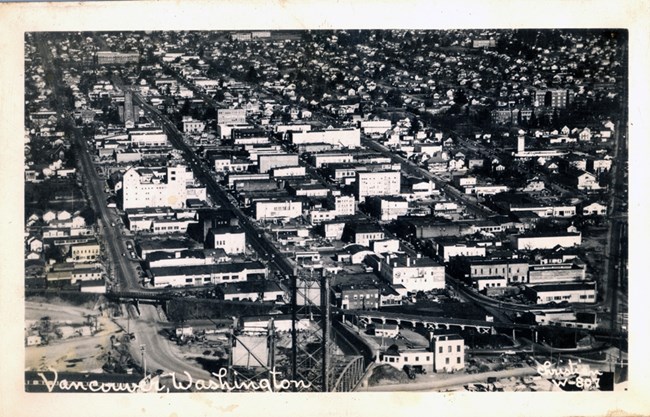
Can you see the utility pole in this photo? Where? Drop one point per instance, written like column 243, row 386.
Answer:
column 271, row 348
column 294, row 341
column 326, row 331
column 144, row 359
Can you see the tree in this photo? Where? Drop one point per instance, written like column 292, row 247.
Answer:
column 251, row 74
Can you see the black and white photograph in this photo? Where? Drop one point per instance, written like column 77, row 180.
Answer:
column 293, row 210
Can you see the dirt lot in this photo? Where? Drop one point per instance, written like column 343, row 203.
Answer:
column 80, row 353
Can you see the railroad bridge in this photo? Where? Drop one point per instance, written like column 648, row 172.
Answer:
column 481, row 326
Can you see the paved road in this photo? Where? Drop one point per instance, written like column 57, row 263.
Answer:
column 160, row 353
column 434, row 382
column 409, row 167
column 112, row 239
column 254, row 235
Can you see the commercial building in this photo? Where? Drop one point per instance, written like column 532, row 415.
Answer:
column 231, row 116
column 415, row 274
column 232, row 239
column 268, row 162
column 192, row 126
column 151, row 137
column 369, row 184
column 547, row 240
column 364, row 233
column 344, row 138
column 278, row 209
column 388, row 208
column 449, row 353
column 163, row 187
column 398, row 359
column 357, row 296
column 194, row 275
column 86, row 252
column 445, row 249
column 321, row 159
column 584, row 292
column 555, row 272
column 109, row 57
column 269, row 291
column 375, row 127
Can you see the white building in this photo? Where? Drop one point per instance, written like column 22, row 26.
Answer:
column 547, row 241
column 192, row 126
column 231, row 239
column 448, row 250
column 284, row 172
column 194, row 275
column 268, row 162
column 162, row 187
column 278, row 209
column 375, row 127
column 369, row 184
column 320, row 159
column 571, row 292
column 415, row 274
column 449, row 353
column 231, row 116
column 344, row 138
column 142, row 138
column 344, row 205
column 389, row 207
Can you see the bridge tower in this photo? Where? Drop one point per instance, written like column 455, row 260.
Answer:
column 312, row 362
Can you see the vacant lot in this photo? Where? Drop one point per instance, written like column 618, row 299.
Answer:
column 79, row 354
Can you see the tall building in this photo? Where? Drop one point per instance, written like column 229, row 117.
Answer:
column 369, row 184
column 159, row 187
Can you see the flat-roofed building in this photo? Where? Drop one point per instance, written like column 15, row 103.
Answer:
column 194, row 275
column 583, row 292
column 232, row 239
column 449, row 353
column 380, row 183
column 231, row 116
column 414, row 273
column 344, row 138
column 268, row 162
column 85, row 252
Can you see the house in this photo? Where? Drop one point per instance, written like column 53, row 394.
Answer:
column 33, row 340
column 35, row 244
column 594, row 209
column 586, row 181
column 398, row 359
